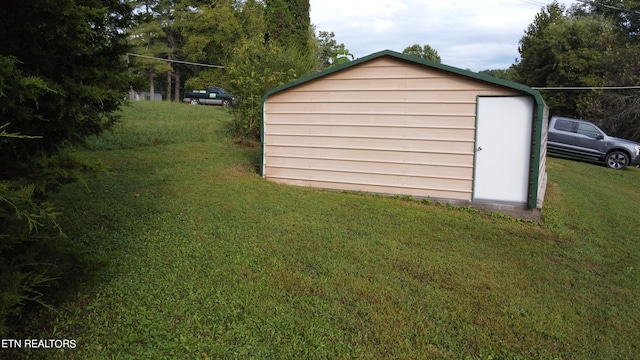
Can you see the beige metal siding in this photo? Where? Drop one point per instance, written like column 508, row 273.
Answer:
column 542, row 175
column 385, row 126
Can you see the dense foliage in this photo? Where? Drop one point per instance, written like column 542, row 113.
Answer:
column 288, row 23
column 255, row 69
column 329, row 52
column 62, row 77
column 255, row 46
column 74, row 48
column 586, row 46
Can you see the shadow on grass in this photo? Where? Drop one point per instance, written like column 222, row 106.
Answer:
column 77, row 261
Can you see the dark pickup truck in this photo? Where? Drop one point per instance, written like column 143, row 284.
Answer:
column 212, row 96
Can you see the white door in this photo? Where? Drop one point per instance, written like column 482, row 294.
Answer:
column 503, row 149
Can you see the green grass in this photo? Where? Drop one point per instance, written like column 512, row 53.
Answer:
column 208, row 260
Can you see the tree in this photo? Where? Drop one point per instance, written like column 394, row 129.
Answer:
column 261, row 45
column 288, row 23
column 257, row 67
column 246, row 20
column 148, row 39
column 326, row 48
column 329, row 52
column 211, row 33
column 279, row 22
column 536, row 62
column 282, row 54
column 341, row 56
column 561, row 51
column 158, row 34
column 617, row 111
column 76, row 48
column 302, row 23
column 624, row 13
column 20, row 214
column 63, row 77
column 507, row 74
column 424, row 52
column 587, row 46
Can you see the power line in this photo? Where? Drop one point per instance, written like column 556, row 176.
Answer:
column 590, row 2
column 593, row 3
column 589, row 88
column 533, row 2
column 174, row 61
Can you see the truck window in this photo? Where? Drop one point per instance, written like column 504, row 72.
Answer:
column 563, row 125
column 588, row 130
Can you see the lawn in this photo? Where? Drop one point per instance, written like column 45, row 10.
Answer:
column 200, row 258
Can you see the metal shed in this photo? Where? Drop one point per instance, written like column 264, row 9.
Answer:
column 396, row 124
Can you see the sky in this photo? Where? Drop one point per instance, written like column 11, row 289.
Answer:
column 468, row 34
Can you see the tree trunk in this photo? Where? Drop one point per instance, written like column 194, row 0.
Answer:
column 176, row 91
column 168, row 85
column 152, row 89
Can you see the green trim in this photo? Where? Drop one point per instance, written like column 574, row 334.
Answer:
column 262, row 147
column 537, row 134
column 539, row 113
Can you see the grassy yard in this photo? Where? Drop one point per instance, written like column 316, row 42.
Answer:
column 203, row 259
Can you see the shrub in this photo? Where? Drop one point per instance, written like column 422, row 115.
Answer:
column 256, row 68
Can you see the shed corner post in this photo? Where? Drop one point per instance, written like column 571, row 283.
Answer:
column 263, row 157
column 537, row 135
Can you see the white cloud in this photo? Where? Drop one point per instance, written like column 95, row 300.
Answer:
column 332, row 11
column 466, row 33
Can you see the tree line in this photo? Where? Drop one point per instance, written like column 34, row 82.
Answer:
column 590, row 54
column 257, row 44
column 263, row 44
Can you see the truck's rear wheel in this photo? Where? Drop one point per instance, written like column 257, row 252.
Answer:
column 194, row 102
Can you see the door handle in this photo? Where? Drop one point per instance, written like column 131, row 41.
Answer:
column 479, row 148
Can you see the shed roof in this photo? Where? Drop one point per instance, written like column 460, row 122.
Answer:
column 415, row 60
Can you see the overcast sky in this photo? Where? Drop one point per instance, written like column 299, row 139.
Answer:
column 468, row 34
